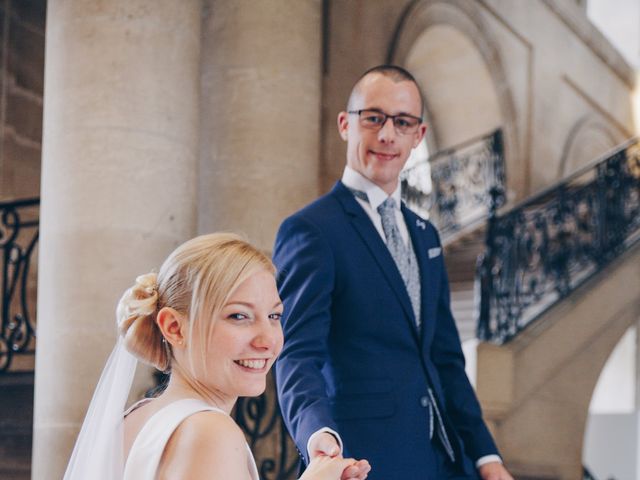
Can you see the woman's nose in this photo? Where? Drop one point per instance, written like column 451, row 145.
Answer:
column 267, row 335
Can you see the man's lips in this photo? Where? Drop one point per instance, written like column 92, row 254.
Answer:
column 384, row 156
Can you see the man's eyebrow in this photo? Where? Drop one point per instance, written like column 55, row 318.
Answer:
column 379, row 110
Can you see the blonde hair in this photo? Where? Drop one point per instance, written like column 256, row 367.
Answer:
column 196, row 280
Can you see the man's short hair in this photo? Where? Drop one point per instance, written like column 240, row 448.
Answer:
column 393, row 72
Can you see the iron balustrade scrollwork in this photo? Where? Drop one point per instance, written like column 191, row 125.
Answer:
column 540, row 251
column 468, row 182
column 19, row 229
column 260, row 420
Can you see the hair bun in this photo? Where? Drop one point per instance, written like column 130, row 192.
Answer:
column 135, row 316
column 141, row 299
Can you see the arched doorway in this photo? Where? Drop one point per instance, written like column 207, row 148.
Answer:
column 611, row 439
column 461, row 101
column 456, row 60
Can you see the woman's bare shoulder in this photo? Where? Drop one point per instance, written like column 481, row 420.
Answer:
column 210, row 426
column 207, row 444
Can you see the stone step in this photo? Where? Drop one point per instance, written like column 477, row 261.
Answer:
column 15, row 474
column 16, row 423
column 15, row 453
column 463, row 309
column 461, row 256
column 466, row 324
column 462, row 292
column 22, row 363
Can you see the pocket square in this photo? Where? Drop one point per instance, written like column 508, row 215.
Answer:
column 434, row 252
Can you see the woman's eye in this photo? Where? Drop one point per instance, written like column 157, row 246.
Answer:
column 238, row 316
column 276, row 316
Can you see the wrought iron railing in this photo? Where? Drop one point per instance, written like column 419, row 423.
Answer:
column 19, row 228
column 543, row 249
column 260, row 420
column 468, row 181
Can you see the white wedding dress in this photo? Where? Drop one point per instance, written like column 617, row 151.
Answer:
column 148, row 446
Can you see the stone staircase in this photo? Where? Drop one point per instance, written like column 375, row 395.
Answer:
column 460, row 257
column 16, row 421
column 536, row 389
column 16, row 416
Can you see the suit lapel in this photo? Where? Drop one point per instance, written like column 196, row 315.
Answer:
column 378, row 249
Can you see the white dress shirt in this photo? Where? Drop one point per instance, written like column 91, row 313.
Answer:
column 356, row 181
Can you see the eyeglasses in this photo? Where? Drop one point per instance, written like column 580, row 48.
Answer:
column 375, row 120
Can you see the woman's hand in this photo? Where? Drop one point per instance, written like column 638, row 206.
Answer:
column 336, row 468
column 325, row 445
column 356, row 471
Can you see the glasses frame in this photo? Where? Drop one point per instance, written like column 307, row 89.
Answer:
column 387, row 117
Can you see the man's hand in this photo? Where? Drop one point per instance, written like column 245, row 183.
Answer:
column 325, row 444
column 494, row 471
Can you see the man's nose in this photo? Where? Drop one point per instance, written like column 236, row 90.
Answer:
column 387, row 132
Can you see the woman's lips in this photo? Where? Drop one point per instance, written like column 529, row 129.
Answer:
column 256, row 365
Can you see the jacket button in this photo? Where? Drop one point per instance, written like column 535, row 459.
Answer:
column 424, row 401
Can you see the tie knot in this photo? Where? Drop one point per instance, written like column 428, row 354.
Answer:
column 387, row 207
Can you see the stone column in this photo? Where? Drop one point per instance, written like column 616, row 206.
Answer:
column 636, row 377
column 120, row 148
column 260, row 130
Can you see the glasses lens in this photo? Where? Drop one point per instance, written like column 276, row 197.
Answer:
column 372, row 119
column 405, row 124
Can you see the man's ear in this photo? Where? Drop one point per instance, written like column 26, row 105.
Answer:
column 343, row 124
column 420, row 134
column 172, row 325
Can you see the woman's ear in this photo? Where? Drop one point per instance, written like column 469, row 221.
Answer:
column 172, row 325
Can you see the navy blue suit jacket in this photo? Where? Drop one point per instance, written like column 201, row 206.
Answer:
column 353, row 358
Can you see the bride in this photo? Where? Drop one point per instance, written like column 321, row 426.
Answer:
column 211, row 317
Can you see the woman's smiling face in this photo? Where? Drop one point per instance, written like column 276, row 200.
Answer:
column 245, row 339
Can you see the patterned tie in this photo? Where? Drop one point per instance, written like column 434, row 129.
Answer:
column 402, row 254
column 407, row 263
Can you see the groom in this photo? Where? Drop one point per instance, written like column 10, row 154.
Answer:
column 372, row 365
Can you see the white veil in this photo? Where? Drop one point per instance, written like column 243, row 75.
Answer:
column 98, row 453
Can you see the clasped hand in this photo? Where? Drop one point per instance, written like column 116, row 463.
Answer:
column 327, row 462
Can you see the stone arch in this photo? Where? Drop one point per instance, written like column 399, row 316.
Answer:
column 431, row 33
column 589, row 138
column 609, row 442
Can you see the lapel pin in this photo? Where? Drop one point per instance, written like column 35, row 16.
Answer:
column 421, row 224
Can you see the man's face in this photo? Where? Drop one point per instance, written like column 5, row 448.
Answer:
column 380, row 155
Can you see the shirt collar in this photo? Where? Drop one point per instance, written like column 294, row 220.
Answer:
column 355, row 180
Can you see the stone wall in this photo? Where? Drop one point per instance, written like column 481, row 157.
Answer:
column 540, row 70
column 22, row 25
